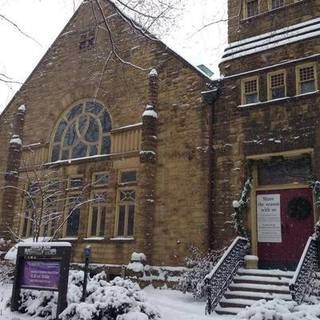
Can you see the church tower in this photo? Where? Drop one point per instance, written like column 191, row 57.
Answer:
column 267, row 129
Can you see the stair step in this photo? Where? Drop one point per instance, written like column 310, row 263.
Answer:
column 235, row 303
column 261, row 279
column 259, row 287
column 256, row 295
column 266, row 272
column 227, row 311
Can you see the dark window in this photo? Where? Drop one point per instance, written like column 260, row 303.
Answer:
column 277, row 4
column 100, row 179
column 282, row 171
column 128, row 176
column 73, row 222
column 252, row 8
column 126, row 213
column 87, row 40
column 75, row 182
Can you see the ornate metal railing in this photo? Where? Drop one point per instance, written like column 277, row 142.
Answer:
column 301, row 286
column 218, row 280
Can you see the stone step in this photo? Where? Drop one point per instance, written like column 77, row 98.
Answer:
column 266, row 272
column 227, row 311
column 261, row 280
column 235, row 303
column 256, row 295
column 252, row 287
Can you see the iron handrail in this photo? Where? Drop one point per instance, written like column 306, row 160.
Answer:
column 301, row 284
column 218, row 280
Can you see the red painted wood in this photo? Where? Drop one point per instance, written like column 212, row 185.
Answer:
column 295, row 232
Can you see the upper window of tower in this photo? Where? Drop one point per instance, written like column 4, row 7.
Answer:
column 82, row 131
column 251, row 8
column 250, row 90
column 306, row 78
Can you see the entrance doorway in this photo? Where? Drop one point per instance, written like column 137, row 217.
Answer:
column 285, row 220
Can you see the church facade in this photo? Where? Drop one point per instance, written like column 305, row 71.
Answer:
column 107, row 145
column 129, row 148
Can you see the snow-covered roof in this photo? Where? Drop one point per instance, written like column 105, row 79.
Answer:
column 298, row 32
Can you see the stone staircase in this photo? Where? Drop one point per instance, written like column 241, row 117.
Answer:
column 251, row 285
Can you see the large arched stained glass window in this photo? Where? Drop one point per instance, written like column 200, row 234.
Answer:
column 83, row 131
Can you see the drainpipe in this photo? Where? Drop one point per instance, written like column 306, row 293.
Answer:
column 210, row 97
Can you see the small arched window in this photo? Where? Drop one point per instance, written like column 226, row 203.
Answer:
column 83, row 131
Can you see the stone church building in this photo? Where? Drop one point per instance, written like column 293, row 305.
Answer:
column 122, row 144
column 106, row 145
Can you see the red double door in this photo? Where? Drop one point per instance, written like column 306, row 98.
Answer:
column 285, row 220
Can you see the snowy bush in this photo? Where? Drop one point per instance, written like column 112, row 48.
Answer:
column 280, row 310
column 198, row 266
column 6, row 272
column 116, row 300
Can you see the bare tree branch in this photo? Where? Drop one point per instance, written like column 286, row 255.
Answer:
column 19, row 29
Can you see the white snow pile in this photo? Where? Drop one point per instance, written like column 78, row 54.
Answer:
column 118, row 299
column 15, row 140
column 137, row 262
column 278, row 309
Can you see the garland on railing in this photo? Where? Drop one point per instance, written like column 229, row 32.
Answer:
column 239, row 207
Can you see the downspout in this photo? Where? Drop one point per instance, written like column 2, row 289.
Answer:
column 210, row 98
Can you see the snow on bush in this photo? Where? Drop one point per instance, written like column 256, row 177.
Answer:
column 198, row 266
column 116, row 300
column 280, row 310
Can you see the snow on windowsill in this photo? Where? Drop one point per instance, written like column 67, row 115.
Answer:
column 94, row 238
column 277, row 100
column 122, row 239
column 69, row 238
column 43, row 244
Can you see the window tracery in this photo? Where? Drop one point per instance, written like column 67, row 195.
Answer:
column 83, row 131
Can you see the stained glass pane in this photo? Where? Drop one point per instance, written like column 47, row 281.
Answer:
column 70, row 136
column 94, row 221
column 60, row 131
column 93, row 150
column 55, row 152
column 105, row 122
column 80, row 150
column 130, row 220
column 122, row 213
column 92, row 134
column 106, row 145
column 128, row 176
column 93, row 107
column 102, row 222
column 65, row 155
column 75, row 111
column 73, row 223
column 83, row 124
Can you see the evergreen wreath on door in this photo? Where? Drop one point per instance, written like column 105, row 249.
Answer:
column 299, row 208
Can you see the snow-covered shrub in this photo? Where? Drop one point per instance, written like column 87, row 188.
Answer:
column 6, row 272
column 104, row 300
column 198, row 265
column 279, row 310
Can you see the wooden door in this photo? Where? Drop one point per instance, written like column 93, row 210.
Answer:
column 285, row 221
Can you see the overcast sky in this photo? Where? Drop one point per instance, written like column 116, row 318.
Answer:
column 44, row 19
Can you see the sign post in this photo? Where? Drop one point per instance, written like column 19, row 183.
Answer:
column 42, row 266
column 87, row 254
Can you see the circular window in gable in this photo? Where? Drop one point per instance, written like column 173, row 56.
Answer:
column 82, row 131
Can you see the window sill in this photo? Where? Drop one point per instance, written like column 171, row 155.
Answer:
column 261, row 103
column 122, row 239
column 69, row 238
column 93, row 239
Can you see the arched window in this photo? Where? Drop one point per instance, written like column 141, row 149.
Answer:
column 83, row 131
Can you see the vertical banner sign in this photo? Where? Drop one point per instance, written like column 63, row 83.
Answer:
column 269, row 218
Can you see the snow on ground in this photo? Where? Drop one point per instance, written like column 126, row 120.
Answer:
column 174, row 305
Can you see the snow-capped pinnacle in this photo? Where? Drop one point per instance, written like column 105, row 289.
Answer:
column 22, row 108
column 15, row 140
column 150, row 112
column 235, row 204
column 153, row 73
